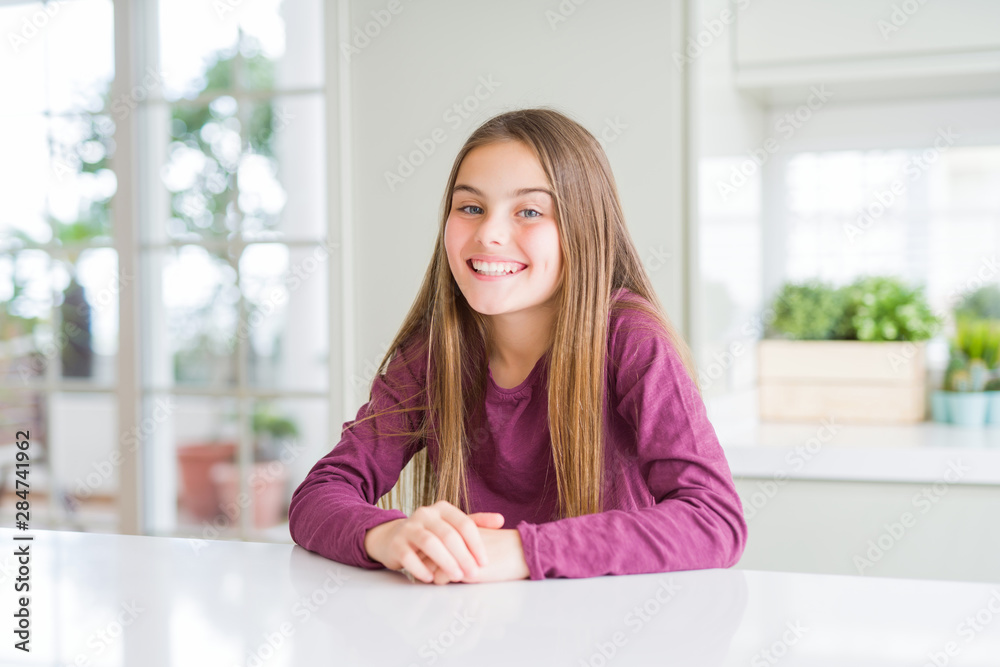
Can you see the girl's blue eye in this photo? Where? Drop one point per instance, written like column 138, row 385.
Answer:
column 479, row 211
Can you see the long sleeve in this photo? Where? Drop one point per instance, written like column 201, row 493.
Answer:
column 696, row 520
column 334, row 506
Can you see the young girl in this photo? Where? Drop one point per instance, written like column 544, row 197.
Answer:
column 549, row 405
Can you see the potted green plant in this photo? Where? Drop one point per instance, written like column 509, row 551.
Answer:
column 967, row 402
column 957, row 364
column 272, row 431
column 884, row 308
column 856, row 352
column 810, row 310
column 982, row 304
column 992, row 390
column 973, row 359
column 269, row 475
column 196, row 460
column 991, row 358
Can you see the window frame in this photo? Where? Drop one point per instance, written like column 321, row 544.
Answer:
column 137, row 47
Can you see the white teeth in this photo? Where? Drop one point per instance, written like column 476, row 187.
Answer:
column 495, row 268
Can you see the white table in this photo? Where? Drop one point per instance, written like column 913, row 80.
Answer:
column 149, row 601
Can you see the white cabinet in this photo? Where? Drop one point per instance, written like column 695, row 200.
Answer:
column 867, row 49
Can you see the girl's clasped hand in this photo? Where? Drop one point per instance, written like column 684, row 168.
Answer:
column 441, row 544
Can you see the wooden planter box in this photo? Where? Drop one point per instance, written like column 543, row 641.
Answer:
column 851, row 381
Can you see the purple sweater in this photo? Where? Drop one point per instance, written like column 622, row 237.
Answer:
column 667, row 479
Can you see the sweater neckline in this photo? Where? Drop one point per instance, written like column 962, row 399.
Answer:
column 525, row 385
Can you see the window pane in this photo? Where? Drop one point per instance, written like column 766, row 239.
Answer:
column 201, row 162
column 300, row 65
column 205, row 475
column 194, row 302
column 282, row 177
column 200, row 41
column 83, row 455
column 838, row 226
column 193, row 41
column 74, row 474
column 80, row 53
column 274, row 185
column 930, row 216
column 22, row 60
column 97, row 276
column 24, row 181
column 285, row 324
column 26, row 299
column 237, row 172
column 201, row 433
column 288, row 439
column 81, row 184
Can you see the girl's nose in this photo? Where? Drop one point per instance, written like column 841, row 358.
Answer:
column 494, row 227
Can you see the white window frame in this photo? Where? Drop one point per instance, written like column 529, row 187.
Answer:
column 136, row 45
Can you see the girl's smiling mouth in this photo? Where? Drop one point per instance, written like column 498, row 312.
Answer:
column 502, row 270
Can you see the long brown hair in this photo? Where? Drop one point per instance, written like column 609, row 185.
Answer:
column 441, row 328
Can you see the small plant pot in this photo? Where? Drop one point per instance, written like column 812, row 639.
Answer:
column 196, row 460
column 266, row 487
column 967, row 408
column 939, row 406
column 993, row 411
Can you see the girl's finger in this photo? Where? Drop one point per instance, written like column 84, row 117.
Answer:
column 456, row 544
column 413, row 564
column 469, row 531
column 431, row 565
column 429, row 543
column 440, row 577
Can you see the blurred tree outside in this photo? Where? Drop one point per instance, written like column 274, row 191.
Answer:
column 209, row 203
column 205, row 207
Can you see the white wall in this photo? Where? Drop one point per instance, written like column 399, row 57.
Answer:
column 605, row 63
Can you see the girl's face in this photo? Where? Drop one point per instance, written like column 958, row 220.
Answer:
column 503, row 211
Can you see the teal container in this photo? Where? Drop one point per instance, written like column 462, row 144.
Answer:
column 993, row 411
column 967, row 408
column 939, row 406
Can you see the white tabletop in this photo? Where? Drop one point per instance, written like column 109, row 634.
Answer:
column 150, row 601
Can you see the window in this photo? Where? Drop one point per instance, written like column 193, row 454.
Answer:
column 929, row 213
column 235, row 264
column 233, row 260
column 59, row 278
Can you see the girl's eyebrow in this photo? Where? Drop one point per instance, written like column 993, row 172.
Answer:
column 515, row 193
